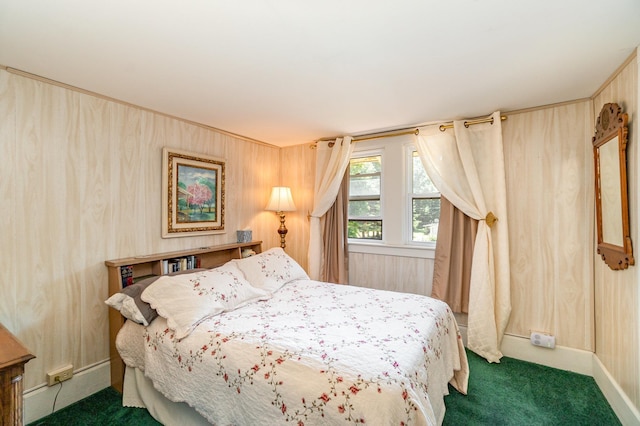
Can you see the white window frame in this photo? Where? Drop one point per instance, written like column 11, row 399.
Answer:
column 364, row 154
column 394, row 191
column 409, row 150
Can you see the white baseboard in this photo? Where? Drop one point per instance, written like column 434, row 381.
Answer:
column 562, row 357
column 627, row 413
column 38, row 402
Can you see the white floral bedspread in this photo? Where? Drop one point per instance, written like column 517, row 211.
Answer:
column 315, row 353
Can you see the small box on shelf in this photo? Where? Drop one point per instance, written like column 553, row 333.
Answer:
column 244, row 236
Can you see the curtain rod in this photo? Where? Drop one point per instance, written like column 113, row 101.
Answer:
column 408, row 131
column 468, row 123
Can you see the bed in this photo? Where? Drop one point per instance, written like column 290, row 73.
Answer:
column 255, row 342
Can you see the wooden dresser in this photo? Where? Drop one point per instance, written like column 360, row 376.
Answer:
column 13, row 357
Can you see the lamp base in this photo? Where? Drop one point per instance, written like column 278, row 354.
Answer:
column 282, row 230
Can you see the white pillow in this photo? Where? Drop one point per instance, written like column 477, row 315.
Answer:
column 186, row 300
column 271, row 269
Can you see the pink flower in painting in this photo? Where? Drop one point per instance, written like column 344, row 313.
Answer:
column 226, row 377
column 255, row 367
column 354, row 389
column 325, row 397
column 199, row 195
column 266, row 376
column 283, row 408
column 341, row 409
column 339, row 380
column 404, row 394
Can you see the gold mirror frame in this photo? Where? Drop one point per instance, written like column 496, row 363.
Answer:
column 612, row 208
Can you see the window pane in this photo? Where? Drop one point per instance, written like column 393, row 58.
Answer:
column 364, row 185
column 364, row 176
column 421, row 182
column 365, row 165
column 365, row 229
column 364, row 208
column 425, row 216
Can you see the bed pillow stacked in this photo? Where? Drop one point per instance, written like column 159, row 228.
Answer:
column 270, row 270
column 187, row 298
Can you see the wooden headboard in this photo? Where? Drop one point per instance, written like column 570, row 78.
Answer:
column 129, row 269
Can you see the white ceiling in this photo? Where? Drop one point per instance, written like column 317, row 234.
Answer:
column 291, row 71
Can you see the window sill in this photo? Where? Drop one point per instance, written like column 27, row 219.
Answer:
column 423, row 252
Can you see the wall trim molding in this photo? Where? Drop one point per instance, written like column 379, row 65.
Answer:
column 627, row 413
column 562, row 357
column 38, row 402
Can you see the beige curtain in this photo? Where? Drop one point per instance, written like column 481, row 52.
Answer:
column 334, row 234
column 331, row 162
column 466, row 164
column 454, row 254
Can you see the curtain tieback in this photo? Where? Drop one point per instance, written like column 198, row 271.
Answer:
column 490, row 219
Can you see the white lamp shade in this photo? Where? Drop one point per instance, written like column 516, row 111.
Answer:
column 280, row 200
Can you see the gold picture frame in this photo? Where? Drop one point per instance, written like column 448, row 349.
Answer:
column 193, row 194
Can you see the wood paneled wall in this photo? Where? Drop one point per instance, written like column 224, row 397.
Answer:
column 617, row 302
column 394, row 273
column 298, row 168
column 80, row 183
column 549, row 172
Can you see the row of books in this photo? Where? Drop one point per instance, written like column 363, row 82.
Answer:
column 180, row 264
column 168, row 266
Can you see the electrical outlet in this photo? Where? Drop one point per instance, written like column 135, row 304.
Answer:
column 543, row 339
column 59, row 375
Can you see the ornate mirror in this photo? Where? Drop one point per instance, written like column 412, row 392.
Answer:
column 612, row 210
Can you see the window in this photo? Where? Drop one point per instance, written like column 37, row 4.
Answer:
column 424, row 203
column 394, row 208
column 365, row 215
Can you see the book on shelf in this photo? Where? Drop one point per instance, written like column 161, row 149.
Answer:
column 168, row 266
column 126, row 274
column 180, row 264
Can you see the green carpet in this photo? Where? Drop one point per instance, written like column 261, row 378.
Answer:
column 520, row 393
column 101, row 408
column 510, row 393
